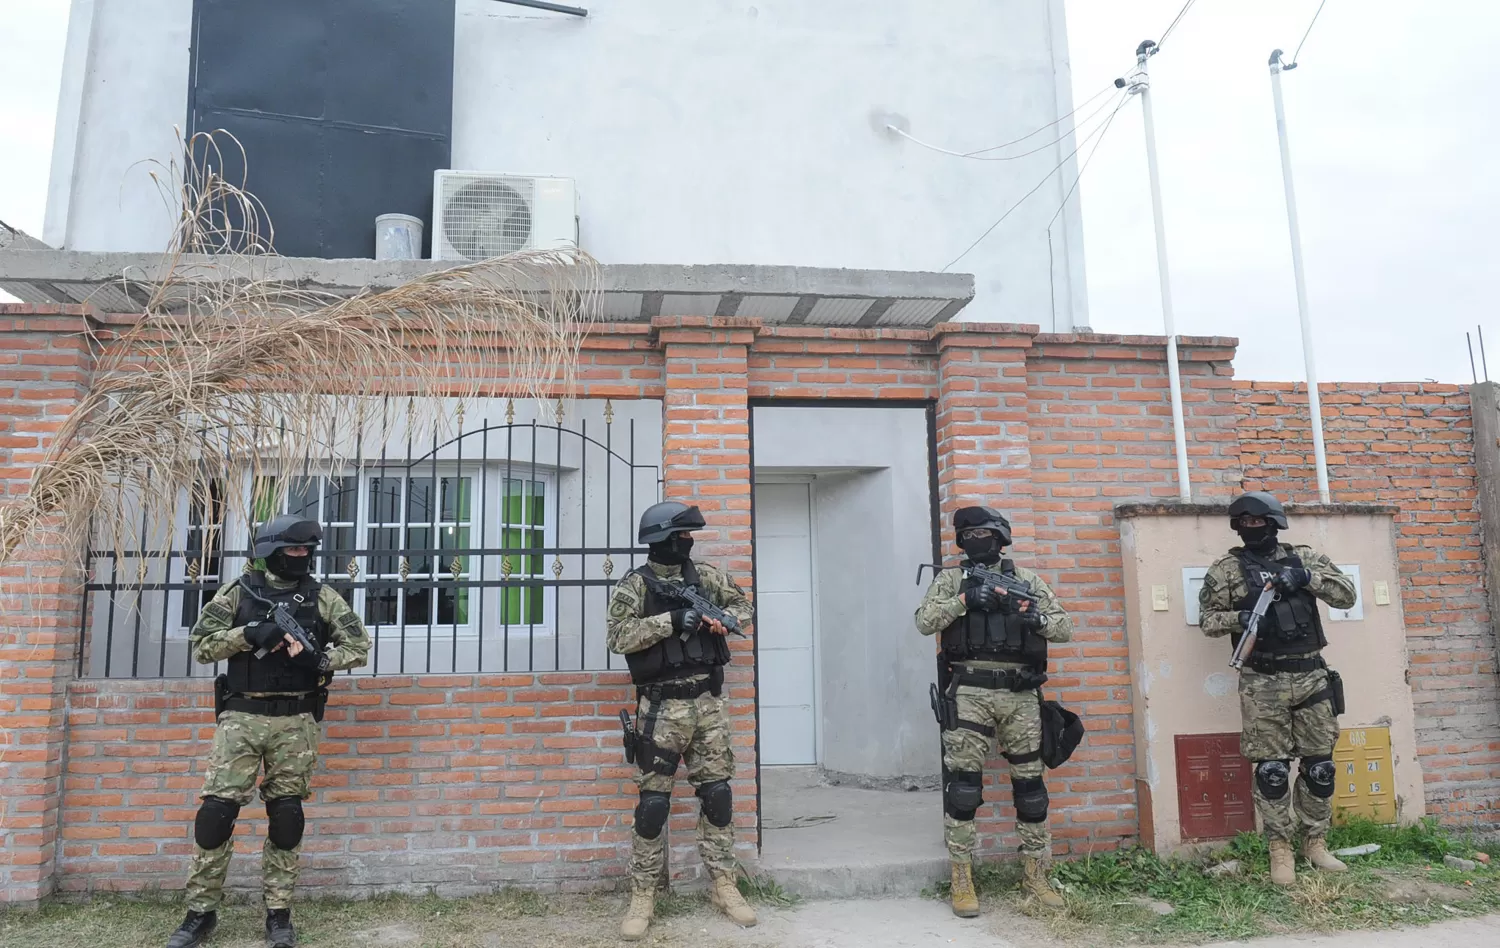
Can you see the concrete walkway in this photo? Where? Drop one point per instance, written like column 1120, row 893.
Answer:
column 926, row 923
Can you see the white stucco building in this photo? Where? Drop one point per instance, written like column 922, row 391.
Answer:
column 736, row 132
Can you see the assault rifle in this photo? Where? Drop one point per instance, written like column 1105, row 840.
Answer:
column 1252, row 628
column 1018, row 590
column 282, row 616
column 689, row 596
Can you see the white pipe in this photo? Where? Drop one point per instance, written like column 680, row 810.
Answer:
column 1174, row 382
column 1314, row 406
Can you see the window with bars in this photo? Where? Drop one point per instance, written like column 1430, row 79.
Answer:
column 203, row 552
column 404, row 550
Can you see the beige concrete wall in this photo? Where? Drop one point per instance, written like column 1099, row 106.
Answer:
column 1183, row 682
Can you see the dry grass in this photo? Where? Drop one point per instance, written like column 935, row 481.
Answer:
column 226, row 371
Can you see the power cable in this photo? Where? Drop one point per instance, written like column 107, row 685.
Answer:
column 976, row 156
column 1180, row 14
column 1310, row 26
column 1045, row 179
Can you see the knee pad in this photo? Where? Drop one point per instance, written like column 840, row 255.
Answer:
column 1317, row 774
column 963, row 794
column 651, row 813
column 284, row 814
column 1273, row 777
column 215, row 823
column 718, row 802
column 1030, row 795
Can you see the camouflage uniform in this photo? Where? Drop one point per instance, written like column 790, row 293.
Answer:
column 1269, row 729
column 1015, row 715
column 698, row 728
column 288, row 746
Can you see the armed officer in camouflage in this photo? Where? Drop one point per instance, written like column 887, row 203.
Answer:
column 676, row 657
column 996, row 654
column 1289, row 698
column 267, row 709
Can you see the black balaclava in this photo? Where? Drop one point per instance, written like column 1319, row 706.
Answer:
column 984, row 550
column 1259, row 540
column 673, row 551
column 289, row 567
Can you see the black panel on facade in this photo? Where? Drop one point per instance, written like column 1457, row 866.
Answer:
column 344, row 108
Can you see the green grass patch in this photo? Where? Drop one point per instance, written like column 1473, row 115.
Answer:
column 1404, row 883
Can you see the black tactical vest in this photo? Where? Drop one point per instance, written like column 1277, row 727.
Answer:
column 993, row 637
column 276, row 673
column 1292, row 625
column 676, row 656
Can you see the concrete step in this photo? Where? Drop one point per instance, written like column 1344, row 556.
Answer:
column 839, row 842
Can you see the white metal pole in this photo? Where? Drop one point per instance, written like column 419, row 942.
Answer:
column 1141, row 85
column 1314, row 406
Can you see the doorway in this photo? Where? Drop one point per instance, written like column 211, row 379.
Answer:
column 786, row 622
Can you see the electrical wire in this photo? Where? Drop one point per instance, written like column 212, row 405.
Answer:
column 1058, row 167
column 1076, row 109
column 1180, row 14
column 976, row 156
column 1092, row 152
column 1309, row 31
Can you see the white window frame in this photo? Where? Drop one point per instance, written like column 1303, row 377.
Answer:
column 486, row 531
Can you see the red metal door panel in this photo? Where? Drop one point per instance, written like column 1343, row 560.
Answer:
column 1213, row 786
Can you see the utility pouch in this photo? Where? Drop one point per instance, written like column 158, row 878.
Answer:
column 944, row 708
column 320, row 704
column 627, row 730
column 221, row 694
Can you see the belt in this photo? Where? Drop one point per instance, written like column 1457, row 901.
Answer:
column 1270, row 664
column 272, row 707
column 683, row 690
column 1000, row 679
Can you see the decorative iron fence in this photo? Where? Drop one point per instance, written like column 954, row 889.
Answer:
column 492, row 551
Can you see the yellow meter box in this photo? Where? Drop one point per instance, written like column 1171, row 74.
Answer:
column 1366, row 778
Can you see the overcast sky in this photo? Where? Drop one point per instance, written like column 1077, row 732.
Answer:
column 1394, row 138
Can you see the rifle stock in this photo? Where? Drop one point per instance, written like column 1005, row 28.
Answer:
column 1246, row 644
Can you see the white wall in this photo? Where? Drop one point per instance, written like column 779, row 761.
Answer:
column 736, row 131
column 872, row 527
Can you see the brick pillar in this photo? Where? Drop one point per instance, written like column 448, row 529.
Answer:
column 45, row 363
column 983, row 439
column 984, row 458
column 706, row 461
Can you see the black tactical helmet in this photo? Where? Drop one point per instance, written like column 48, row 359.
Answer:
column 968, row 518
column 287, row 530
column 662, row 520
column 1257, row 504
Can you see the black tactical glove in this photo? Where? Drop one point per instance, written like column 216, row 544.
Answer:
column 315, row 659
column 1245, row 616
column 1292, row 578
column 262, row 633
column 982, row 598
column 686, row 620
column 1030, row 621
column 1007, row 605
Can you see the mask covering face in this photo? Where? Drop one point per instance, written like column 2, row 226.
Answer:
column 983, row 549
column 289, row 567
column 674, row 550
column 1261, row 539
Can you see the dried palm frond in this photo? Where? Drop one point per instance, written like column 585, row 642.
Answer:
column 228, row 369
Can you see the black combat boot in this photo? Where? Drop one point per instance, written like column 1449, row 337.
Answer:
column 194, row 930
column 279, row 931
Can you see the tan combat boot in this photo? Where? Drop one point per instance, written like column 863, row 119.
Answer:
column 1315, row 848
column 1283, row 869
column 1035, row 883
column 965, row 900
column 638, row 917
column 725, row 896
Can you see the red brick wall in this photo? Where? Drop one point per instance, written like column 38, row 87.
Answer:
column 461, row 782
column 1413, row 445
column 823, row 362
column 1100, row 432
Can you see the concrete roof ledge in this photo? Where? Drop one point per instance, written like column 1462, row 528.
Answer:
column 813, row 296
column 1177, row 509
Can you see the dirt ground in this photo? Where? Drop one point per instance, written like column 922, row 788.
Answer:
column 520, row 921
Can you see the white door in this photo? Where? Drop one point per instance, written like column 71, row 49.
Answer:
column 784, row 623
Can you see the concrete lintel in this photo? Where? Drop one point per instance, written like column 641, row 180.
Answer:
column 728, row 286
column 1128, row 511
